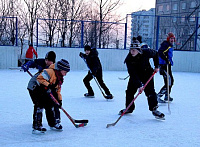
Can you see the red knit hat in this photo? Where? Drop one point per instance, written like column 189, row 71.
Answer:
column 170, row 35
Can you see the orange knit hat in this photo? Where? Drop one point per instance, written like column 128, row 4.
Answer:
column 170, row 35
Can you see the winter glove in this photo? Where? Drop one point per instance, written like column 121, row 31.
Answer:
column 48, row 88
column 60, row 102
column 82, row 55
column 26, row 66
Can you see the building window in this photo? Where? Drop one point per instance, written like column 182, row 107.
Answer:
column 160, row 8
column 175, row 7
column 193, row 4
column 167, row 8
column 174, row 19
column 192, row 18
column 183, row 19
column 183, row 6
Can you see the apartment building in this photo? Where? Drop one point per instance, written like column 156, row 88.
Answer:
column 181, row 18
column 142, row 23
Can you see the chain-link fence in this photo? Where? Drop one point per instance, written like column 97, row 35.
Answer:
column 75, row 33
column 154, row 30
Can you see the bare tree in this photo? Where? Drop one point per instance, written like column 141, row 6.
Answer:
column 51, row 13
column 30, row 10
column 8, row 22
column 106, row 7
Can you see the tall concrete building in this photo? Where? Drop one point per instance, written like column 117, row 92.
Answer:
column 142, row 23
column 181, row 18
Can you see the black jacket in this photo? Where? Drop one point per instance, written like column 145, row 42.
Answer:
column 94, row 63
column 139, row 66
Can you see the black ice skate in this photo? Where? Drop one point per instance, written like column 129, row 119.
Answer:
column 170, row 99
column 57, row 127
column 89, row 95
column 39, row 130
column 127, row 112
column 109, row 96
column 158, row 114
column 160, row 100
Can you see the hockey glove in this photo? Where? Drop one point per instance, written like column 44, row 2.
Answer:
column 26, row 66
column 82, row 55
column 48, row 88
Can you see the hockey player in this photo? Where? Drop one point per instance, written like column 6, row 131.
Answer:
column 49, row 81
column 140, row 70
column 40, row 64
column 29, row 53
column 165, row 59
column 93, row 62
column 142, row 44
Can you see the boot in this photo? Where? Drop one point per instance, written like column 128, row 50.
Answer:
column 157, row 113
column 37, row 121
column 89, row 95
column 159, row 99
column 109, row 96
column 127, row 112
column 57, row 126
column 166, row 98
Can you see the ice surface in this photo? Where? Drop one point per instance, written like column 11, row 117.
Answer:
column 139, row 129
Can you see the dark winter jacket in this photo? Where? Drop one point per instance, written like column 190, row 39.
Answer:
column 39, row 64
column 94, row 63
column 139, row 66
column 165, row 53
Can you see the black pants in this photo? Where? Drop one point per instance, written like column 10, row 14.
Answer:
column 149, row 92
column 42, row 100
column 99, row 78
column 163, row 72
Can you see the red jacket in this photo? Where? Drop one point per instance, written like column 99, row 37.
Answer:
column 30, row 51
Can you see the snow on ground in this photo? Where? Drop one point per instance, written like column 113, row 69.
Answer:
column 181, row 127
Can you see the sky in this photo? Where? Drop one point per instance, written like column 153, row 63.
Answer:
column 139, row 129
column 135, row 5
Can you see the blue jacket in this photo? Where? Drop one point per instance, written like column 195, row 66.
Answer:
column 165, row 53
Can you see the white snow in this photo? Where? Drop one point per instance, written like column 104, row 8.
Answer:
column 180, row 129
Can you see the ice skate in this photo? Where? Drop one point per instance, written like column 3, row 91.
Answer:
column 158, row 114
column 109, row 96
column 39, row 130
column 170, row 99
column 89, row 95
column 57, row 127
column 127, row 112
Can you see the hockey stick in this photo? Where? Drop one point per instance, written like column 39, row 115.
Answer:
column 95, row 79
column 74, row 121
column 168, row 89
column 113, row 124
column 82, row 122
column 124, row 78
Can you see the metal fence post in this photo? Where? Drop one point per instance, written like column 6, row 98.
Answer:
column 16, row 35
column 82, row 33
column 157, row 32
column 37, row 33
column 196, row 33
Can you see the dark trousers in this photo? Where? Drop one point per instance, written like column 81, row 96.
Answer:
column 41, row 100
column 149, row 92
column 99, row 78
column 163, row 72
